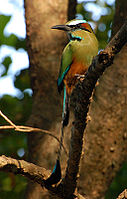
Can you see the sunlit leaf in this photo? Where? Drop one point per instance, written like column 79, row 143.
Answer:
column 3, row 22
column 6, row 62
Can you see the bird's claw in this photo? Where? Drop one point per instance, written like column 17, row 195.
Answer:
column 80, row 77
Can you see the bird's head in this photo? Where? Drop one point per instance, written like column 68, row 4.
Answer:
column 74, row 25
column 75, row 29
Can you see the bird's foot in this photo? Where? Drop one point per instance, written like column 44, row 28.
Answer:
column 80, row 77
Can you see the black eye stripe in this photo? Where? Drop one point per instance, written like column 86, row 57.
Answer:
column 79, row 24
column 76, row 26
column 72, row 26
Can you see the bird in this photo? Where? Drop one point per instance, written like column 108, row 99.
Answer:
column 76, row 58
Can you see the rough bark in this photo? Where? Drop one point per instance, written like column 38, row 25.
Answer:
column 44, row 49
column 71, row 9
column 29, row 170
column 34, row 172
column 123, row 195
column 120, row 15
column 106, row 134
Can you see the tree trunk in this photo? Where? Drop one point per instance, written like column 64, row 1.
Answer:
column 106, row 134
column 44, row 49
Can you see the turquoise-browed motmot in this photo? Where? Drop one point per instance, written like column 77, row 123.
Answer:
column 76, row 58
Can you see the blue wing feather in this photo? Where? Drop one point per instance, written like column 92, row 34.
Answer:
column 65, row 65
column 60, row 79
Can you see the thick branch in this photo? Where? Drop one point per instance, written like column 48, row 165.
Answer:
column 82, row 95
column 123, row 195
column 29, row 170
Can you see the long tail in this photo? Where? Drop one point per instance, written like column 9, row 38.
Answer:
column 65, row 119
column 66, row 106
column 56, row 174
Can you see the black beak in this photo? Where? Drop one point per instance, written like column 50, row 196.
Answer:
column 62, row 27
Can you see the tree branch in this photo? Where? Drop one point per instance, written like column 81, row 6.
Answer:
column 27, row 129
column 29, row 170
column 82, row 95
column 34, row 173
column 123, row 195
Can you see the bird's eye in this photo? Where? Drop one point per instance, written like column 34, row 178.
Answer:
column 78, row 26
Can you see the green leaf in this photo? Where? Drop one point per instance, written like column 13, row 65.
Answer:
column 3, row 22
column 6, row 62
column 22, row 81
column 14, row 41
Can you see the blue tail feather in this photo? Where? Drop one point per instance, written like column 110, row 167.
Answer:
column 55, row 175
column 65, row 114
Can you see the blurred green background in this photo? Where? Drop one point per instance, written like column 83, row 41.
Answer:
column 16, row 97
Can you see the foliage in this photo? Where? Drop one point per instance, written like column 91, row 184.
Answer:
column 12, row 186
column 12, row 40
column 18, row 110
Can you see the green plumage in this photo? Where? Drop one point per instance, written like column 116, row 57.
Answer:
column 66, row 61
column 82, row 51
